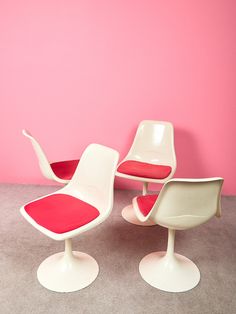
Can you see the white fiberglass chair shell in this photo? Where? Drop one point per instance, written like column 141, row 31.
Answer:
column 85, row 202
column 181, row 204
column 151, row 159
column 60, row 171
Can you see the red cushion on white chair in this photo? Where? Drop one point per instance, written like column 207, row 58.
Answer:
column 144, row 169
column 146, row 202
column 61, row 212
column 64, row 169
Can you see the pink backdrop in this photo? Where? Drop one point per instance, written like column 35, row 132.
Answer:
column 75, row 72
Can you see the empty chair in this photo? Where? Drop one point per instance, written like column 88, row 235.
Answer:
column 60, row 171
column 82, row 204
column 151, row 159
column 181, row 204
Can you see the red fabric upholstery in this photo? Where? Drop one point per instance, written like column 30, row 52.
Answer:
column 61, row 213
column 64, row 169
column 143, row 169
column 146, row 202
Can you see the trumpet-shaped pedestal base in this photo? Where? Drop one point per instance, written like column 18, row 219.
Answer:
column 67, row 272
column 129, row 215
column 173, row 273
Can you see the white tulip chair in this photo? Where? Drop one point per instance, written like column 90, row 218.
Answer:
column 151, row 159
column 84, row 203
column 181, row 204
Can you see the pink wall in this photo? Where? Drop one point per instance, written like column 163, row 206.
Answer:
column 75, row 72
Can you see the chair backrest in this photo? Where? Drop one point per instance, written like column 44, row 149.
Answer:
column 42, row 159
column 93, row 180
column 186, row 203
column 154, row 143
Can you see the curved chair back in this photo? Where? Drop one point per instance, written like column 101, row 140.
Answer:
column 186, row 203
column 42, row 159
column 154, row 143
column 93, row 179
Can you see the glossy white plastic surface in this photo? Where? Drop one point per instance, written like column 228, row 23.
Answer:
column 171, row 274
column 185, row 203
column 154, row 144
column 128, row 214
column 93, row 183
column 44, row 164
column 181, row 204
column 67, row 271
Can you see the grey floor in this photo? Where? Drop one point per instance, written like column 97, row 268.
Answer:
column 118, row 247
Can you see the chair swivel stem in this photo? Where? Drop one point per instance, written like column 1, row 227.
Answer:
column 145, row 188
column 171, row 242
column 68, row 248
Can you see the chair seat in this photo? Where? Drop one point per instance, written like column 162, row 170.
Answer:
column 146, row 202
column 61, row 213
column 143, row 169
column 64, row 169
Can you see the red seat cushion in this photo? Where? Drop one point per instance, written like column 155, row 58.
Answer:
column 64, row 169
column 61, row 213
column 146, row 202
column 143, row 169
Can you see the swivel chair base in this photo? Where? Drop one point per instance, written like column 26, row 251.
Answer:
column 63, row 273
column 172, row 273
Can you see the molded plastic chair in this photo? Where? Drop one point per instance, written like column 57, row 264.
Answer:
column 151, row 159
column 180, row 205
column 85, row 202
column 60, row 171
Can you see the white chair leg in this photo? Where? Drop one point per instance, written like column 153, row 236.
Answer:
column 145, row 188
column 67, row 271
column 129, row 215
column 169, row 271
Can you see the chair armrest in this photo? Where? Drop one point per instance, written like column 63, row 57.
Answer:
column 137, row 211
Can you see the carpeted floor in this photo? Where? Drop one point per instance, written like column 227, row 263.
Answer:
column 118, row 247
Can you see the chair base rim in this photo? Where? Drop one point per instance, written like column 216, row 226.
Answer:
column 174, row 273
column 67, row 274
column 129, row 215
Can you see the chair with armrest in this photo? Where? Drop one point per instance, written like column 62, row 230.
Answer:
column 151, row 159
column 85, row 202
column 181, row 204
column 60, row 171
